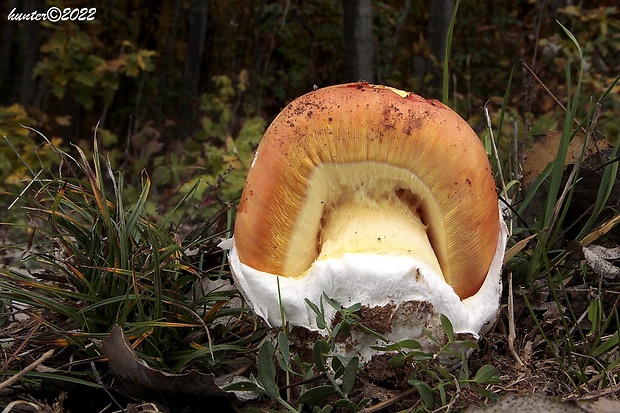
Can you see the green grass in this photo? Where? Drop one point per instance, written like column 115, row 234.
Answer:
column 581, row 349
column 98, row 260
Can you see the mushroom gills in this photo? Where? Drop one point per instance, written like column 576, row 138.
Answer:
column 366, row 207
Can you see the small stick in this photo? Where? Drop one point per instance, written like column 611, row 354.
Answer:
column 382, row 405
column 540, row 82
column 23, row 344
column 511, row 323
column 601, row 393
column 495, row 151
column 28, row 368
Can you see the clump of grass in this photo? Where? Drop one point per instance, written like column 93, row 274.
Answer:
column 97, row 260
column 543, row 260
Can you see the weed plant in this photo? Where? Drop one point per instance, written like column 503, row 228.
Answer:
column 95, row 260
column 583, row 350
column 326, row 381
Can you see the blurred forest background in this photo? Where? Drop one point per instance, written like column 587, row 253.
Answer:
column 184, row 89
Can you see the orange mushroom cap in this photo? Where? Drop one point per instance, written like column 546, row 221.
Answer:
column 340, row 157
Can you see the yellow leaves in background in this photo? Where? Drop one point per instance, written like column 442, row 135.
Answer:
column 63, row 120
column 16, row 135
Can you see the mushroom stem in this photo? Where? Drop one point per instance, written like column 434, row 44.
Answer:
column 385, row 225
column 366, row 207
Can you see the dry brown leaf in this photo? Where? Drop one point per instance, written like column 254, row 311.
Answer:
column 515, row 249
column 545, row 148
column 601, row 230
column 136, row 378
column 597, row 258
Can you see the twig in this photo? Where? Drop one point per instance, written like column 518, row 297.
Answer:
column 495, row 151
column 601, row 393
column 454, row 399
column 26, row 370
column 540, row 82
column 23, row 343
column 511, row 323
column 105, row 389
column 386, row 403
column 9, row 407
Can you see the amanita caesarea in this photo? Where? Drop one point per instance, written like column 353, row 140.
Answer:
column 370, row 195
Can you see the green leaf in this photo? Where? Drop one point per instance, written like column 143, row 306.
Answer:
column 425, row 392
column 605, row 189
column 446, row 72
column 319, row 351
column 316, row 394
column 333, row 303
column 57, row 377
column 420, row 356
column 492, row 396
column 398, row 360
column 410, row 344
column 338, row 363
column 442, row 394
column 606, row 346
column 283, row 344
column 447, row 327
column 487, row 374
column 404, row 344
column 444, row 373
column 320, row 314
column 350, row 374
column 267, row 370
column 572, row 38
column 343, row 329
column 313, row 307
column 466, row 343
column 346, row 403
column 326, row 409
column 354, row 308
column 595, row 313
column 462, row 376
column 431, row 337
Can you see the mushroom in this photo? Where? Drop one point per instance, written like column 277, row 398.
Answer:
column 376, row 196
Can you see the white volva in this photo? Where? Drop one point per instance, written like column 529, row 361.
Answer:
column 353, row 278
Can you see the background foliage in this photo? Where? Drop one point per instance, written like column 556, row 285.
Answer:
column 187, row 114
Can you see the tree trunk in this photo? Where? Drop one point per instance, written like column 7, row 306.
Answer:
column 358, row 40
column 197, row 20
column 440, row 14
column 438, row 25
column 25, row 57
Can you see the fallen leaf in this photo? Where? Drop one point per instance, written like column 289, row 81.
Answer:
column 601, row 230
column 136, row 378
column 598, row 258
column 606, row 253
column 545, row 149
